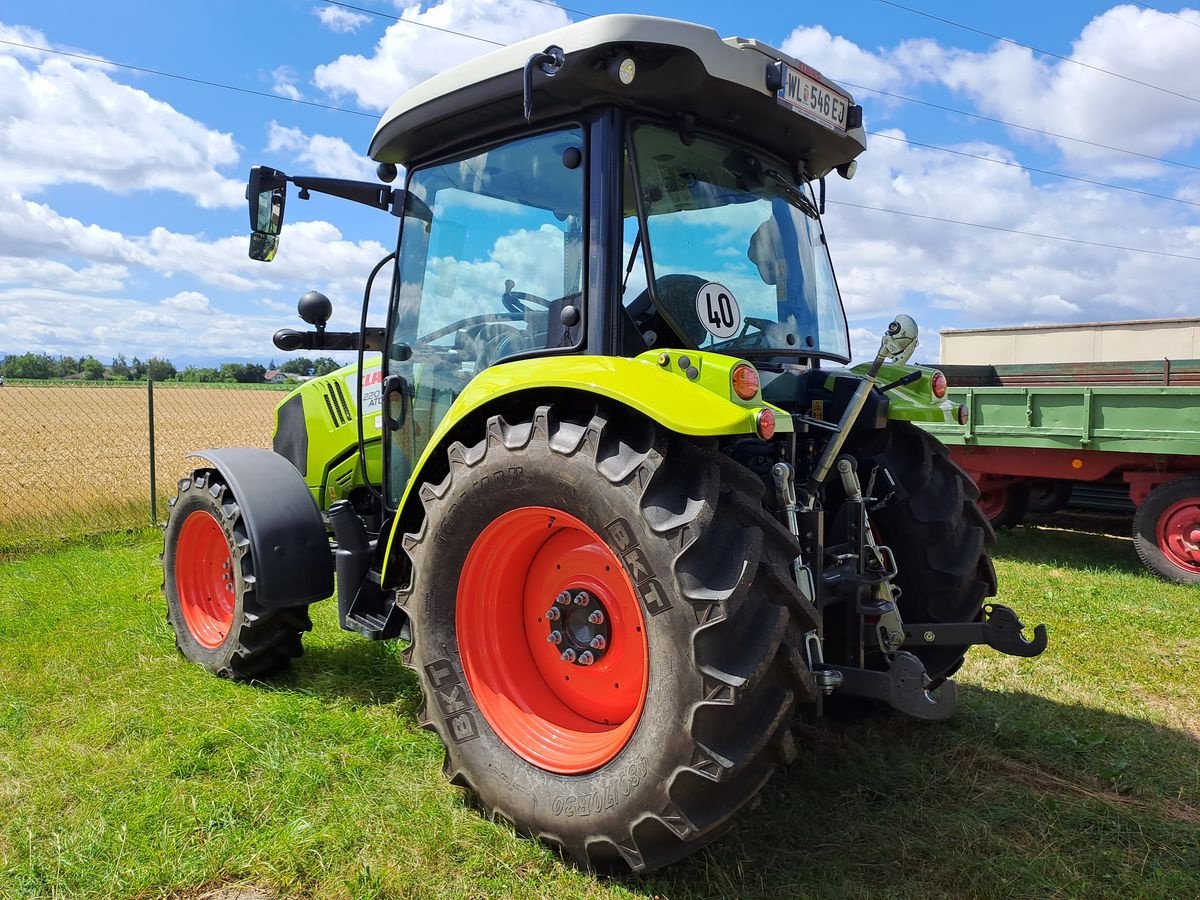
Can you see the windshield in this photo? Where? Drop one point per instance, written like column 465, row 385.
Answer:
column 736, row 251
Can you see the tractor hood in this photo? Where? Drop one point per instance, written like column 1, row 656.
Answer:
column 737, row 86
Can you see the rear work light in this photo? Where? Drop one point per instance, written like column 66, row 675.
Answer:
column 938, row 383
column 745, row 381
column 764, row 422
column 963, row 415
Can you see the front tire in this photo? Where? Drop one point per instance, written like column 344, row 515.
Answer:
column 938, row 534
column 208, row 581
column 646, row 754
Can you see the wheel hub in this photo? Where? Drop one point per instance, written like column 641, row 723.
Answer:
column 579, row 627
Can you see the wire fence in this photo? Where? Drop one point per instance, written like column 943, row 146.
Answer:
column 81, row 458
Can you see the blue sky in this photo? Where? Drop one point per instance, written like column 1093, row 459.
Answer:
column 122, row 225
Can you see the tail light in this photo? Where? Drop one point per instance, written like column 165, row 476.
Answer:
column 938, row 383
column 745, row 381
column 764, row 422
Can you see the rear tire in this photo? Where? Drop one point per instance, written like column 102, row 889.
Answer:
column 208, row 582
column 938, row 535
column 1166, row 530
column 698, row 563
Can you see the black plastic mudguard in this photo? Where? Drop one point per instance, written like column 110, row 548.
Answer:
column 293, row 562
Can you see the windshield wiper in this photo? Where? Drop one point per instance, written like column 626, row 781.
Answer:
column 794, row 194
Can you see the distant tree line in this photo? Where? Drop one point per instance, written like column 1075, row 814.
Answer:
column 42, row 366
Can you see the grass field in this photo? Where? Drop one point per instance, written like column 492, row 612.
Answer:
column 75, row 458
column 125, row 772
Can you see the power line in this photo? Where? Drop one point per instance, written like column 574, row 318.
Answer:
column 1059, row 56
column 1036, row 234
column 395, row 18
column 383, row 15
column 995, row 121
column 188, row 78
column 242, row 90
column 1162, row 12
column 1017, row 165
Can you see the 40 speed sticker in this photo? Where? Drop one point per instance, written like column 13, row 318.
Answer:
column 718, row 311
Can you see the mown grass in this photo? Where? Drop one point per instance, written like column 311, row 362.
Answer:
column 125, row 772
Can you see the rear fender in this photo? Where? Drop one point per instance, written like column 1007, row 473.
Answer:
column 289, row 549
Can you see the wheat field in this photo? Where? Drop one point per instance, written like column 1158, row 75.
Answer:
column 76, row 458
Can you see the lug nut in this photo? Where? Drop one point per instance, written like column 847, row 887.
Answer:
column 586, row 658
column 596, row 618
column 583, row 598
column 598, row 642
column 930, row 637
column 553, row 614
column 568, row 655
column 554, row 637
column 563, row 599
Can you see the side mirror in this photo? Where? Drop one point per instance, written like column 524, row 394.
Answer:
column 900, row 340
column 266, row 194
column 395, row 402
column 263, row 246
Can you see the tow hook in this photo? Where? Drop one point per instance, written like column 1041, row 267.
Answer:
column 1000, row 629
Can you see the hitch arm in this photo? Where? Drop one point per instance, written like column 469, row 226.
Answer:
column 904, row 687
column 1000, row 630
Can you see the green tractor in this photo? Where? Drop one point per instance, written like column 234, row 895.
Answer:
column 610, row 481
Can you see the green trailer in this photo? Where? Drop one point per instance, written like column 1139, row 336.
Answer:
column 1032, row 432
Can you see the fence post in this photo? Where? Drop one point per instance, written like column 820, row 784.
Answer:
column 150, row 420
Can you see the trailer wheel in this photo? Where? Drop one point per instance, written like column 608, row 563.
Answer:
column 1005, row 506
column 209, row 587
column 1048, row 495
column 1166, row 530
column 939, row 537
column 614, row 670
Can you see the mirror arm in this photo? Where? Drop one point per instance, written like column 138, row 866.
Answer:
column 376, row 195
column 289, row 339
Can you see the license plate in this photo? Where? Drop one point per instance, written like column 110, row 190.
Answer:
column 807, row 96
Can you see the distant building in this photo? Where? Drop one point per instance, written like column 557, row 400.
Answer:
column 1135, row 339
column 274, row 376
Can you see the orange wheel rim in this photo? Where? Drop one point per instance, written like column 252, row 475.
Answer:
column 1179, row 535
column 524, row 629
column 204, row 579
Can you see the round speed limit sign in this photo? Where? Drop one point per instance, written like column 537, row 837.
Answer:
column 718, row 310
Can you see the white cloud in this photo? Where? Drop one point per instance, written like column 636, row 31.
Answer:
column 1011, row 83
column 283, row 82
column 188, row 301
column 837, row 57
column 67, row 322
column 65, row 121
column 407, row 54
column 342, row 21
column 888, row 264
column 321, row 154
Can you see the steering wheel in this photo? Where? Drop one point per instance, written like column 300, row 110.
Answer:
column 512, row 300
column 484, row 319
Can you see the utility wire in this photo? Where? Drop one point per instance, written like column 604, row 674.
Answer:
column 1152, row 9
column 982, row 118
column 188, row 78
column 1036, row 234
column 394, row 18
column 1067, row 59
column 859, row 87
column 242, row 90
column 1016, row 165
